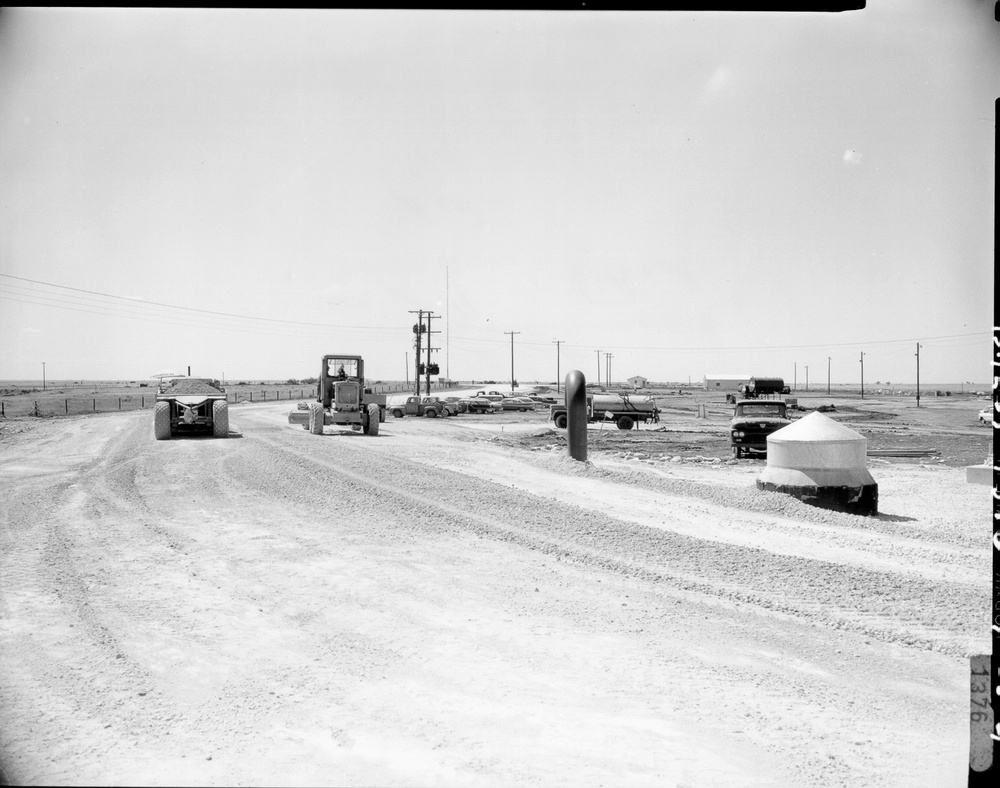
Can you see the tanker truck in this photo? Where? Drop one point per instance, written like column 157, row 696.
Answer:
column 756, row 388
column 624, row 410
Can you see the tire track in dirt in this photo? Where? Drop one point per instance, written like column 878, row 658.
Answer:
column 85, row 547
column 881, row 605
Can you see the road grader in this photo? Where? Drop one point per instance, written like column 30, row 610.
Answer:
column 342, row 399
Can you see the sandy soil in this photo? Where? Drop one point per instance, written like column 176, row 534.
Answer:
column 455, row 602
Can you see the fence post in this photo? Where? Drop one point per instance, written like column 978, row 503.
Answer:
column 251, row 396
column 119, row 403
column 95, row 404
column 67, row 406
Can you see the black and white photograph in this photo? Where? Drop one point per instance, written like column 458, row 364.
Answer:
column 514, row 397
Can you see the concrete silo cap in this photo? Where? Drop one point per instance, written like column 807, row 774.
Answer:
column 816, row 428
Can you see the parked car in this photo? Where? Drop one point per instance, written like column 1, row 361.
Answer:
column 462, row 403
column 986, row 416
column 447, row 408
column 482, row 405
column 517, row 403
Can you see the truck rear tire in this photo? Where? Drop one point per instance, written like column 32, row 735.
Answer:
column 397, row 414
column 161, row 421
column 371, row 422
column 220, row 419
column 625, row 422
column 562, row 421
column 316, row 418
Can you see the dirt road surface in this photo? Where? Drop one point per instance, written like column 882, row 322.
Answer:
column 455, row 602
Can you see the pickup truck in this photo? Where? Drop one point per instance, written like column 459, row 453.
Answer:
column 753, row 420
column 431, row 407
column 624, row 410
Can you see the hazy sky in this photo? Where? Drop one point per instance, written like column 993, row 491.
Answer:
column 694, row 193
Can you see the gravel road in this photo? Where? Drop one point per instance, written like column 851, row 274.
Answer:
column 440, row 605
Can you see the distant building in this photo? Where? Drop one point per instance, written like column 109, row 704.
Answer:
column 638, row 382
column 725, row 382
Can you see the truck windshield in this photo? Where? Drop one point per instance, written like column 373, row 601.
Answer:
column 762, row 410
column 342, row 367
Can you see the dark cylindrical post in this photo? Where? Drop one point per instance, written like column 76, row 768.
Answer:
column 576, row 414
column 67, row 406
column 95, row 404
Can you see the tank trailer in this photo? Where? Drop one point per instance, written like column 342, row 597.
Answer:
column 625, row 411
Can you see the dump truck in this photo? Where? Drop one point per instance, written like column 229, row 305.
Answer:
column 342, row 399
column 190, row 406
column 626, row 411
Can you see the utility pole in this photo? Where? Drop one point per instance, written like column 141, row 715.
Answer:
column 447, row 329
column 918, row 374
column 43, row 376
column 862, row 374
column 607, row 362
column 512, row 358
column 406, row 366
column 795, row 378
column 807, row 377
column 828, row 376
column 557, row 343
column 430, row 369
column 418, row 330
column 598, row 367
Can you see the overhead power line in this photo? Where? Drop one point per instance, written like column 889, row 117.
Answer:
column 144, row 302
column 58, row 300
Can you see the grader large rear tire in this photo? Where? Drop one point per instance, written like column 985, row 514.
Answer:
column 371, row 423
column 161, row 421
column 220, row 419
column 316, row 418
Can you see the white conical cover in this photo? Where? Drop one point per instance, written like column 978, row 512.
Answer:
column 816, row 427
column 817, row 451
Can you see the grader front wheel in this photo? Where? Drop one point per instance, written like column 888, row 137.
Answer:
column 371, row 420
column 316, row 418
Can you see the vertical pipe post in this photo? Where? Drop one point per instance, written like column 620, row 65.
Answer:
column 576, row 414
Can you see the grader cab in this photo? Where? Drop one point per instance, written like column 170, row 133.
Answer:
column 342, row 399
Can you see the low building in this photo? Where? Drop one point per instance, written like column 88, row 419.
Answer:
column 725, row 382
column 638, row 382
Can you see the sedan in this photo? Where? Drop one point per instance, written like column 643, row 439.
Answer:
column 517, row 403
column 481, row 405
column 986, row 416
